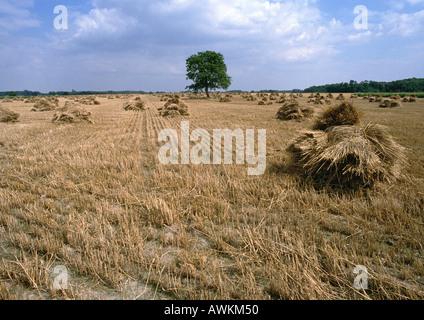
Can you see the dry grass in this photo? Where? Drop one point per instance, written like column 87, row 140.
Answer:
column 97, row 201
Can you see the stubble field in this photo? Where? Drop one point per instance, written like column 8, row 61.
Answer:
column 95, row 199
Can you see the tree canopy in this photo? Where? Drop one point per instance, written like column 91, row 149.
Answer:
column 208, row 71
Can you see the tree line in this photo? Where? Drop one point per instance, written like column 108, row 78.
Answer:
column 27, row 93
column 407, row 85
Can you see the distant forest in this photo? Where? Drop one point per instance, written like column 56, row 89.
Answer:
column 413, row 85
column 407, row 85
column 27, row 93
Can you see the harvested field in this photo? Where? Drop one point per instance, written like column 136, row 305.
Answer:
column 97, row 201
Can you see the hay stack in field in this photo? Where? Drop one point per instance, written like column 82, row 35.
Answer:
column 330, row 96
column 72, row 113
column 135, row 105
column 390, row 104
column 282, row 100
column 265, row 103
column 7, row 115
column 89, row 101
column 354, row 96
column 292, row 110
column 395, row 97
column 174, row 110
column 378, row 98
column 410, row 99
column 174, row 107
column 43, row 105
column 350, row 156
column 344, row 113
column 174, row 100
column 7, row 100
column 225, row 99
column 322, row 101
column 340, row 97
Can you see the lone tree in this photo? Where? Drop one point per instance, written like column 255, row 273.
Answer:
column 208, row 71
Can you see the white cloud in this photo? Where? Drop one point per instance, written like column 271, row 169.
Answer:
column 404, row 24
column 414, row 2
column 15, row 15
column 126, row 44
column 360, row 36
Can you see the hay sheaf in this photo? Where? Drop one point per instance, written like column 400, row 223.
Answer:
column 410, row 99
column 89, row 101
column 391, row 104
column 344, row 113
column 72, row 113
column 349, row 156
column 135, row 105
column 7, row 115
column 225, row 99
column 174, row 110
column 44, row 104
column 292, row 110
column 251, row 98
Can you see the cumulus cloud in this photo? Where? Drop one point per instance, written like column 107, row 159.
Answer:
column 404, row 24
column 126, row 44
column 192, row 23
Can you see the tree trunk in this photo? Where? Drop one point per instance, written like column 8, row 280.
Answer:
column 207, row 92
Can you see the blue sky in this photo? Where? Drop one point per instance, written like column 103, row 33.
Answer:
column 143, row 45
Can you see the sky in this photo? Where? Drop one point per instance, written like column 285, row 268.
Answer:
column 144, row 44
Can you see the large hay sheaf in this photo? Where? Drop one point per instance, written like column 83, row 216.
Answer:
column 344, row 113
column 7, row 115
column 349, row 156
column 72, row 113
